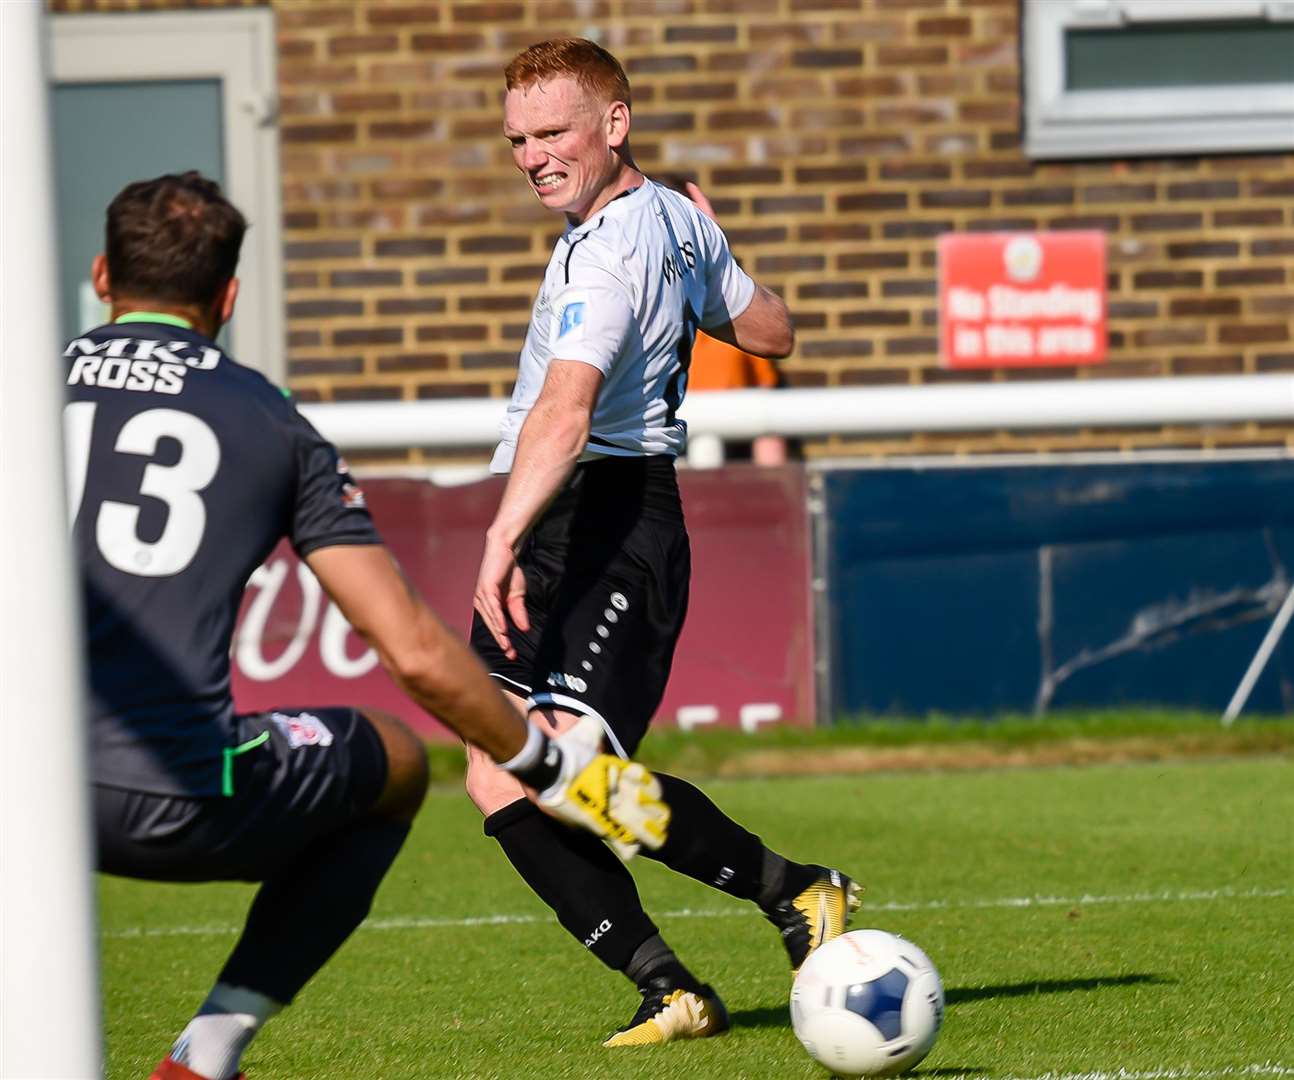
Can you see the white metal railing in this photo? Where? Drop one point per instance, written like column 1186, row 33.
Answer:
column 744, row 414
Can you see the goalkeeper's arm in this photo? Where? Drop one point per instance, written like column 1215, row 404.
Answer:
column 618, row 800
column 615, row 799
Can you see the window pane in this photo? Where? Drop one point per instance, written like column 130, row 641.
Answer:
column 107, row 135
column 1180, row 54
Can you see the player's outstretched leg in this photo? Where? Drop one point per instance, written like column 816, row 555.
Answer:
column 809, row 904
column 596, row 900
column 334, row 879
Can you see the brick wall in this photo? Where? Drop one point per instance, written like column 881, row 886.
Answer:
column 837, row 139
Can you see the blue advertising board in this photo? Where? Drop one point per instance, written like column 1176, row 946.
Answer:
column 984, row 589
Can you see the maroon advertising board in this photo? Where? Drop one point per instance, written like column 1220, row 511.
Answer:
column 745, row 658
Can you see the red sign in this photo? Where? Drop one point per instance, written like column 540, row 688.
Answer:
column 745, row 658
column 1022, row 299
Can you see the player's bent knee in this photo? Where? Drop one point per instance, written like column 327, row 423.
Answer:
column 488, row 786
column 406, row 757
column 554, row 721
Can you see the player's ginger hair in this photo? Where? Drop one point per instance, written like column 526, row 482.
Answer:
column 590, row 65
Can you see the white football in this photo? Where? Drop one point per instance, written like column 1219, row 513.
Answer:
column 868, row 1003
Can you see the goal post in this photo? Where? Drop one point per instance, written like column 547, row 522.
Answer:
column 49, row 1009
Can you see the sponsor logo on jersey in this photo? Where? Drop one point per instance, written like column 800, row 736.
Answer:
column 572, row 318
column 352, row 495
column 200, row 357
column 676, row 266
column 302, row 729
column 140, row 364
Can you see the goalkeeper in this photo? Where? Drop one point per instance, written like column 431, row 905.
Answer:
column 187, row 469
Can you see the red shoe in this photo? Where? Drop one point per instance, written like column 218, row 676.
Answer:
column 173, row 1070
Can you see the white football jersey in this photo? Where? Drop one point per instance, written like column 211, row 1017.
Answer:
column 625, row 291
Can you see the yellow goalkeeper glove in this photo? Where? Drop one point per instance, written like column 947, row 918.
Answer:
column 618, row 800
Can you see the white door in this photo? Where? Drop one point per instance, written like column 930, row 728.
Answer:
column 139, row 95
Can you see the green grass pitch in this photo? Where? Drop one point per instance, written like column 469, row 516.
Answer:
column 1085, row 921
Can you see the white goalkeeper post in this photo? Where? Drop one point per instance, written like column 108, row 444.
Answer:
column 49, row 1013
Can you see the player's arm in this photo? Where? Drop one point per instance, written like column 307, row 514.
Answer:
column 550, row 443
column 764, row 327
column 423, row 656
column 619, row 801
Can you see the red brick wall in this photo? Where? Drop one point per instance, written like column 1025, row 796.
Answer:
column 837, row 139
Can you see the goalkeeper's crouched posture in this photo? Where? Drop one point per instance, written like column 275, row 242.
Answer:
column 315, row 803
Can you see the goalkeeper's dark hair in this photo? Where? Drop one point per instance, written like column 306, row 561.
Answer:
column 175, row 238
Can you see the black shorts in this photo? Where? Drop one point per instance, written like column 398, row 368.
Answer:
column 294, row 776
column 607, row 572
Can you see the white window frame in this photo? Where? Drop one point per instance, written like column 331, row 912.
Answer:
column 238, row 48
column 1158, row 120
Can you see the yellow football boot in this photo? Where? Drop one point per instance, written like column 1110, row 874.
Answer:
column 668, row 1012
column 817, row 915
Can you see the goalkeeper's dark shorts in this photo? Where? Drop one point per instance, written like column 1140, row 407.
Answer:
column 607, row 573
column 294, row 777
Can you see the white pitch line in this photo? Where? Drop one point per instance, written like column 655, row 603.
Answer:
column 1166, row 896
column 1267, row 1068
column 1163, row 896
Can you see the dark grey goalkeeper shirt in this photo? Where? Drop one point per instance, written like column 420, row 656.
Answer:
column 184, row 470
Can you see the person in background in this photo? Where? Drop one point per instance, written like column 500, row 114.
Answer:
column 185, row 469
column 717, row 365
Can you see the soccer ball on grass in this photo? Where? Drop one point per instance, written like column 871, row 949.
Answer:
column 868, row 1003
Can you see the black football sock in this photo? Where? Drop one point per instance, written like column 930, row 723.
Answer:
column 782, row 880
column 705, row 844
column 300, row 917
column 653, row 959
column 590, row 891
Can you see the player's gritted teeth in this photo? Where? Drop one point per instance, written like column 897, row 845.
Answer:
column 548, row 182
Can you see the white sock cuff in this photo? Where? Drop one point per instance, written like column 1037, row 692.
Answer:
column 529, row 755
